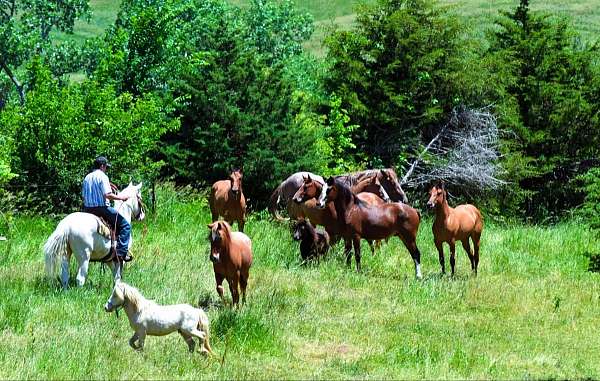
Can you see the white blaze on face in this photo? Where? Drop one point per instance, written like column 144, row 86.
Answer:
column 322, row 196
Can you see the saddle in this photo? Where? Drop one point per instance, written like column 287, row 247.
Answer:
column 106, row 230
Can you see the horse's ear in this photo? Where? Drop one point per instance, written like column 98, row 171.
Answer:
column 441, row 184
column 139, row 186
column 304, row 178
column 211, row 226
column 330, row 180
column 309, row 179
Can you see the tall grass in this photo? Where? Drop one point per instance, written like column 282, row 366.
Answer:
column 532, row 312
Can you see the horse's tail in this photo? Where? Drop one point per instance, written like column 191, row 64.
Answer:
column 274, row 201
column 55, row 248
column 203, row 326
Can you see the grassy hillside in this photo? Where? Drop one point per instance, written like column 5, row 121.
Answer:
column 533, row 311
column 479, row 14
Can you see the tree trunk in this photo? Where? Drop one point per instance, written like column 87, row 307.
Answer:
column 14, row 80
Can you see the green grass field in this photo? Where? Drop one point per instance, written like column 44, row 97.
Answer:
column 533, row 311
column 478, row 14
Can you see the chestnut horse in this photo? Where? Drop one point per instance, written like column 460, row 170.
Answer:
column 305, row 203
column 387, row 177
column 227, row 200
column 285, row 191
column 455, row 224
column 357, row 220
column 231, row 255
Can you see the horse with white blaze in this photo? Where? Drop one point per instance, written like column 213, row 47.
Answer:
column 148, row 318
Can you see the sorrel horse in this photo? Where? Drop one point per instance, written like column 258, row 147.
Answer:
column 387, row 177
column 285, row 191
column 227, row 200
column 231, row 255
column 455, row 224
column 148, row 318
column 314, row 243
column 369, row 190
column 86, row 236
column 358, row 220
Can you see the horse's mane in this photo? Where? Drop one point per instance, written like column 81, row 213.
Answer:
column 134, row 296
column 227, row 234
column 346, row 193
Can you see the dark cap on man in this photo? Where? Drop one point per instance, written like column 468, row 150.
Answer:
column 100, row 161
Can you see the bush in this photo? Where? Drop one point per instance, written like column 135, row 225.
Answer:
column 60, row 130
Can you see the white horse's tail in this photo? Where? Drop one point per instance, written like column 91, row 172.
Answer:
column 55, row 248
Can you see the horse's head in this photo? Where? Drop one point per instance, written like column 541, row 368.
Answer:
column 389, row 180
column 218, row 237
column 301, row 229
column 437, row 194
column 117, row 298
column 134, row 203
column 309, row 189
column 332, row 190
column 235, row 178
column 373, row 185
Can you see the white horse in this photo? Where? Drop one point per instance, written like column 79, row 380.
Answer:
column 84, row 235
column 149, row 318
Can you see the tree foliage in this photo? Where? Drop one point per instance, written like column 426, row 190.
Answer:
column 399, row 74
column 61, row 129
column 25, row 27
column 551, row 79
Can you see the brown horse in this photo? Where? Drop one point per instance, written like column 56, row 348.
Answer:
column 358, row 220
column 227, row 200
column 454, row 224
column 305, row 203
column 387, row 177
column 231, row 255
column 285, row 191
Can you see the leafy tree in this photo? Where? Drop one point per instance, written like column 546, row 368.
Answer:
column 25, row 27
column 61, row 129
column 399, row 73
column 550, row 78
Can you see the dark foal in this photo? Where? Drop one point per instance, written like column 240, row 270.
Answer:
column 314, row 243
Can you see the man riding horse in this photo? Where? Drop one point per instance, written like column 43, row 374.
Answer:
column 97, row 191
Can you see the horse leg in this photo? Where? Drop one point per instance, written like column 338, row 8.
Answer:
column 219, row 279
column 475, row 237
column 440, row 248
column 64, row 269
column 189, row 340
column 243, row 285
column 467, row 246
column 347, row 250
column 452, row 258
column 371, row 246
column 356, row 243
column 142, row 338
column 116, row 267
column 83, row 267
column 132, row 341
column 241, row 223
column 410, row 242
column 233, row 288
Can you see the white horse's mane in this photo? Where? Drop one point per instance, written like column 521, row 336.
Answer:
column 134, row 296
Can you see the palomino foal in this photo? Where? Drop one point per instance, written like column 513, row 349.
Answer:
column 455, row 224
column 231, row 255
column 227, row 199
column 149, row 318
